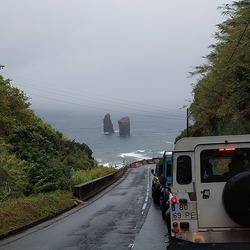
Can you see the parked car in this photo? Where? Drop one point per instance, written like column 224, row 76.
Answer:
column 156, row 188
column 209, row 198
column 162, row 181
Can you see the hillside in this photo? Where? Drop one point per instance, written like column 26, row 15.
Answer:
column 34, row 157
column 221, row 103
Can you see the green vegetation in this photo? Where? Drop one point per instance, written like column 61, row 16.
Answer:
column 80, row 176
column 38, row 165
column 34, row 157
column 17, row 213
column 221, row 102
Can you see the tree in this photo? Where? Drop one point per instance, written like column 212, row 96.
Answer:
column 221, row 102
column 34, row 157
column 14, row 107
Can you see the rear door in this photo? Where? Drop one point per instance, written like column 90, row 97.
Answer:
column 213, row 164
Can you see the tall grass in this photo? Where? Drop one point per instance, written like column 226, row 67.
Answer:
column 15, row 213
column 19, row 212
column 82, row 176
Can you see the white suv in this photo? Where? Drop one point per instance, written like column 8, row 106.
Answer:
column 210, row 194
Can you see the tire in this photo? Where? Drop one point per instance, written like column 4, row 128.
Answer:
column 236, row 200
column 168, row 220
column 156, row 197
column 163, row 210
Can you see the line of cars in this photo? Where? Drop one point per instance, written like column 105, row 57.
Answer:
column 162, row 181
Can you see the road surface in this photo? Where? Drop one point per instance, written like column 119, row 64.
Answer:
column 115, row 219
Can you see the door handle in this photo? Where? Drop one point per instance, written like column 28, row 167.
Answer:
column 205, row 194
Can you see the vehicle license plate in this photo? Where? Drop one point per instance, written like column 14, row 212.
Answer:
column 184, row 212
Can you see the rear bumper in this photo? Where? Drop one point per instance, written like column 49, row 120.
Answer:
column 175, row 244
column 230, row 236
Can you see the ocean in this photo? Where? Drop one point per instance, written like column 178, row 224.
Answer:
column 150, row 136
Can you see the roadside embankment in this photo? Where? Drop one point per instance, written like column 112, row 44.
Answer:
column 20, row 214
column 23, row 213
column 87, row 190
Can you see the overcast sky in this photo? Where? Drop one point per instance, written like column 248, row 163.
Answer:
column 106, row 54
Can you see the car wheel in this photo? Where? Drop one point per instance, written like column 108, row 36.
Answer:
column 156, row 197
column 163, row 210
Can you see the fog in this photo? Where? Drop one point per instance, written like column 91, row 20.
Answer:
column 106, row 55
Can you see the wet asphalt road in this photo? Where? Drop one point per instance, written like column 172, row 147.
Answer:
column 112, row 220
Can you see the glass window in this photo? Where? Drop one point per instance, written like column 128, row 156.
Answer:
column 169, row 173
column 218, row 165
column 184, row 169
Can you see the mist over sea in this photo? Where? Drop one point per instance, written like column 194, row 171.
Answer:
column 150, row 136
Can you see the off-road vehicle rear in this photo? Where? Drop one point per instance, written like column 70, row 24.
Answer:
column 210, row 194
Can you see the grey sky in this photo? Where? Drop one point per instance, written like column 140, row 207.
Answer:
column 106, row 53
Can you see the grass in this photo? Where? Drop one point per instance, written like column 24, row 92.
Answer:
column 16, row 213
column 82, row 176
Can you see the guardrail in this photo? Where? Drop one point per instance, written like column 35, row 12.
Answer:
column 137, row 164
column 87, row 190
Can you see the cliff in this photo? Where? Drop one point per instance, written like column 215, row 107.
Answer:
column 107, row 125
column 124, row 126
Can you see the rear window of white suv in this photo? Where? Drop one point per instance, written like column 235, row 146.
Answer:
column 218, row 165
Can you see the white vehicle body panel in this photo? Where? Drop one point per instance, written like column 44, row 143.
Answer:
column 199, row 201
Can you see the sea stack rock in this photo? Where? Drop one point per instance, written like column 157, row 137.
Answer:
column 107, row 125
column 124, row 126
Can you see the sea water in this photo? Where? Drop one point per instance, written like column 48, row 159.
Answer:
column 150, row 136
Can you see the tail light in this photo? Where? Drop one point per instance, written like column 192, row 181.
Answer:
column 175, row 228
column 174, row 200
column 226, row 149
column 175, row 224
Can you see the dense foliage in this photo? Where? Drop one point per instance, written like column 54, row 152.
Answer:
column 34, row 157
column 221, row 102
column 16, row 213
